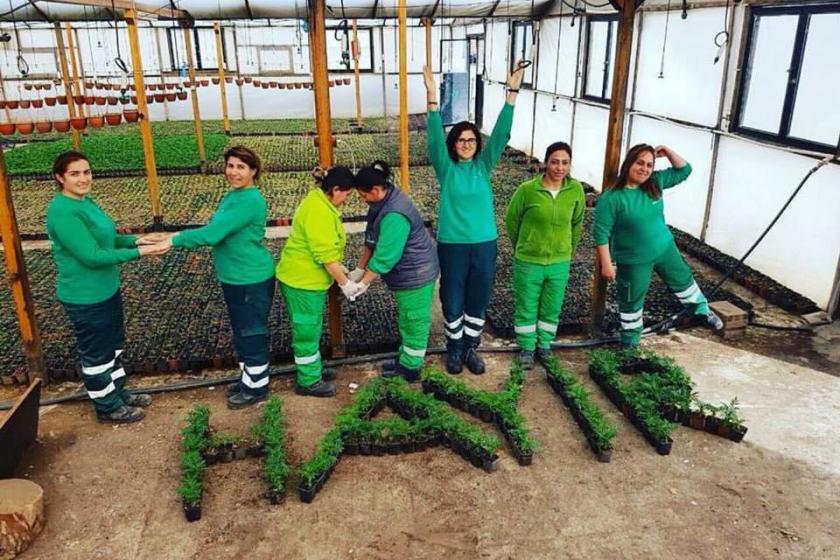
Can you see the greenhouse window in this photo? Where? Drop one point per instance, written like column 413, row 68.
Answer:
column 521, row 49
column 600, row 47
column 790, row 72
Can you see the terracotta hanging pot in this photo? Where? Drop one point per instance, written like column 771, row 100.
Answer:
column 50, row 101
column 25, row 127
column 27, row 87
column 239, row 81
column 88, row 85
column 78, row 123
column 100, row 100
column 62, row 100
column 215, row 81
column 47, row 86
column 204, row 83
column 248, row 79
column 266, row 85
column 62, row 125
column 89, row 100
column 111, row 100
column 346, row 81
column 37, row 103
column 2, row 104
column 159, row 97
column 124, row 99
column 298, row 85
column 186, row 83
column 281, row 85
column 134, row 99
column 25, row 103
column 43, row 126
column 257, row 83
column 182, row 95
column 229, row 79
column 170, row 97
column 37, row 86
column 12, row 103
column 272, row 85
column 171, row 85
column 96, row 122
column 113, row 119
column 151, row 98
column 151, row 87
column 7, row 128
column 131, row 115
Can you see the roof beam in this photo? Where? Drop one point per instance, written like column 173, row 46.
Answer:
column 375, row 6
column 40, row 11
column 129, row 5
column 493, row 9
column 248, row 8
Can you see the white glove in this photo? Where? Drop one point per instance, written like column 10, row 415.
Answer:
column 361, row 288
column 349, row 289
column 356, row 275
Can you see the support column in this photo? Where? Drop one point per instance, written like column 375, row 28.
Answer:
column 19, row 281
column 220, row 62
column 238, row 74
column 199, row 136
column 145, row 126
column 355, row 51
column 427, row 24
column 72, row 47
column 324, row 139
column 68, row 90
column 384, row 73
column 403, row 100
column 615, row 130
column 160, row 66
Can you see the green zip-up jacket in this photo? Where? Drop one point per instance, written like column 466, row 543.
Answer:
column 235, row 232
column 465, row 213
column 87, row 249
column 545, row 229
column 317, row 237
column 632, row 222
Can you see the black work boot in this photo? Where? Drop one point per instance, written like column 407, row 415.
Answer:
column 328, row 374
column 454, row 357
column 137, row 399
column 410, row 375
column 543, row 354
column 526, row 359
column 233, row 388
column 473, row 361
column 122, row 415
column 318, row 389
column 243, row 399
column 388, row 368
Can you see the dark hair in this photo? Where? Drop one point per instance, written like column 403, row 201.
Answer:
column 633, row 154
column 557, row 146
column 63, row 161
column 455, row 133
column 247, row 156
column 338, row 176
column 377, row 173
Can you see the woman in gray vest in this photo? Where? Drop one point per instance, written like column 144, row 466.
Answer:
column 399, row 249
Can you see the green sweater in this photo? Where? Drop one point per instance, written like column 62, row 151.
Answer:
column 393, row 235
column 543, row 228
column 465, row 214
column 632, row 222
column 317, row 237
column 87, row 249
column 235, row 232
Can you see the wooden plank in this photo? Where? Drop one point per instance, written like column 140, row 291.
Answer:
column 199, row 135
column 76, row 84
column 68, row 90
column 404, row 179
column 220, row 62
column 355, row 53
column 615, row 129
column 19, row 429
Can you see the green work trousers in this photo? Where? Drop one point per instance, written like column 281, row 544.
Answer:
column 306, row 314
column 538, row 291
column 633, row 280
column 414, row 318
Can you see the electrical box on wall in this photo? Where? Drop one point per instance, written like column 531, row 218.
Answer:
column 454, row 97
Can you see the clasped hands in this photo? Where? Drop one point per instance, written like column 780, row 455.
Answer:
column 354, row 287
column 154, row 244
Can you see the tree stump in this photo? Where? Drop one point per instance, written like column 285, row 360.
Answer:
column 21, row 515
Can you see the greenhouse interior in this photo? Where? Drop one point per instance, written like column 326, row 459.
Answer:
column 689, row 413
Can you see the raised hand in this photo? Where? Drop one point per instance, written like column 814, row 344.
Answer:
column 661, row 151
column 429, row 82
column 514, row 79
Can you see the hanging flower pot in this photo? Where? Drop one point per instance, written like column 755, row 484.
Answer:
column 131, row 115
column 281, row 85
column 99, row 100
column 43, row 126
column 346, row 81
column 215, row 81
column 257, row 83
column 47, row 86
column 151, row 98
column 79, row 99
column 12, row 103
column 272, row 84
column 37, row 103
column 38, row 86
column 89, row 100
column 134, row 99
column 88, row 85
column 204, row 83
column 25, row 127
column 2, row 104
column 25, row 103
column 239, row 81
column 113, row 119
column 159, row 97
column 50, row 101
column 331, row 83
column 62, row 125
column 78, row 123
column 151, row 87
column 96, row 122
column 182, row 95
column 62, row 99
column 171, row 85
column 187, row 83
column 7, row 128
column 124, row 99
column 229, row 79
column 266, row 85
column 248, row 79
column 170, row 96
column 298, row 85
column 27, row 87
column 132, row 87
column 111, row 100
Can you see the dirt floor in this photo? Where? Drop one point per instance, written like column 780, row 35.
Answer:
column 112, row 491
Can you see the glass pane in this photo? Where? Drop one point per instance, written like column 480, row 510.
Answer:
column 613, row 41
column 816, row 114
column 770, row 56
column 595, row 63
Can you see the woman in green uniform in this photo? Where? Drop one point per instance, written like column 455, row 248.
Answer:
column 466, row 233
column 244, row 267
column 544, row 221
column 630, row 228
column 398, row 248
column 87, row 249
column 309, row 263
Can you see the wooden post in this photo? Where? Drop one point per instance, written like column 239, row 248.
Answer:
column 324, row 139
column 427, row 23
column 403, row 101
column 130, row 16
column 160, row 67
column 68, row 91
column 355, row 51
column 72, row 47
column 220, row 61
column 19, row 281
column 615, row 129
column 238, row 74
column 199, row 135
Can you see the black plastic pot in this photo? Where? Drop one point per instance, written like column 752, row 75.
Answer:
column 306, row 493
column 192, row 511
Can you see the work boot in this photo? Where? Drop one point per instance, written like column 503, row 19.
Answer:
column 473, row 361
column 244, row 399
column 233, row 388
column 122, row 415
column 454, row 362
column 137, row 399
column 410, row 375
column 328, row 374
column 387, row 368
column 543, row 354
column 526, row 359
column 318, row 389
column 714, row 321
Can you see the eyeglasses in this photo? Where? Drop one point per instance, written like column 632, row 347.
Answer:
column 466, row 141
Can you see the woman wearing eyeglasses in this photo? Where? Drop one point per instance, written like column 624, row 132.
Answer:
column 466, row 232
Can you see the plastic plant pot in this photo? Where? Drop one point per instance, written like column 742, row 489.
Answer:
column 25, row 127
column 257, row 83
column 27, row 87
column 247, row 79
column 272, row 85
column 62, row 100
column 44, row 126
column 113, row 119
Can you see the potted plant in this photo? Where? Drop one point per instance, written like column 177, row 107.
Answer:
column 170, row 96
column 96, row 121
column 240, row 81
column 272, row 85
column 89, row 100
column 37, row 103
column 27, row 86
column 247, row 79
column 51, row 101
column 215, row 80
column 25, row 103
column 181, row 95
column 229, row 79
column 159, row 97
column 266, row 85
column 100, row 100
column 170, row 85
column 205, row 82
column 112, row 100
column 12, row 103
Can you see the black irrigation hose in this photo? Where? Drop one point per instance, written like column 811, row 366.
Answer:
column 781, row 327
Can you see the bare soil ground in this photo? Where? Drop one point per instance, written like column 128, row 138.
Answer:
column 112, row 491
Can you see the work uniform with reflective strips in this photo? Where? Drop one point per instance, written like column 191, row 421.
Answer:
column 245, row 269
column 404, row 255
column 87, row 249
column 466, row 234
column 317, row 237
column 640, row 242
column 544, row 227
